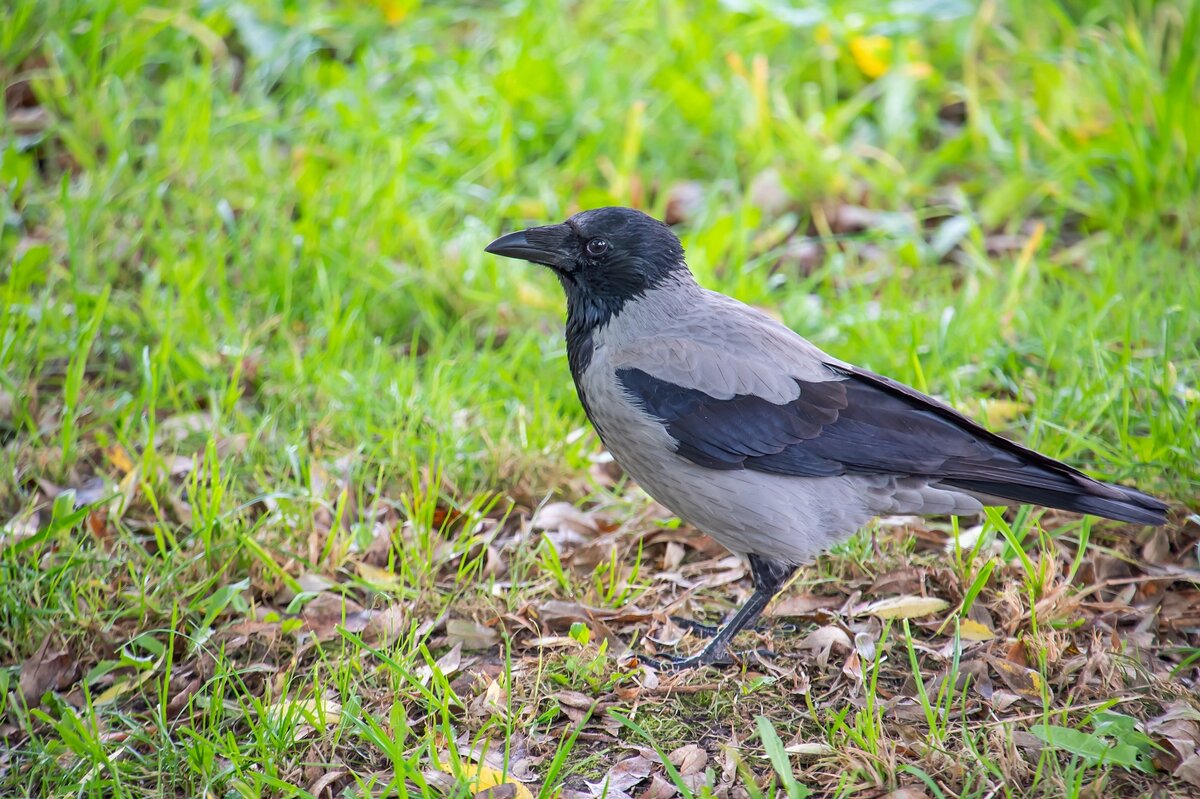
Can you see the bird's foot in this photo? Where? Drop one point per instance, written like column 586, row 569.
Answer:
column 699, row 628
column 710, row 630
column 721, row 658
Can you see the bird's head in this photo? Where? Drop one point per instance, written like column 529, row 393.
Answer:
column 603, row 258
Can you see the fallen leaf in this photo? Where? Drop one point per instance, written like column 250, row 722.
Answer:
column 319, row 712
column 971, row 630
column 325, row 612
column 906, row 607
column 907, row 793
column 326, row 780
column 815, row 749
column 823, row 640
column 1189, row 770
column 470, row 634
column 566, row 518
column 768, row 194
column 119, row 458
column 685, row 200
column 689, row 759
column 628, row 773
column 125, row 685
column 390, row 623
column 483, row 778
column 46, row 670
column 1158, row 548
column 379, row 578
column 659, row 788
column 1026, row 683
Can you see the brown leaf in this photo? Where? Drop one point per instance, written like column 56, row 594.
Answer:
column 768, row 194
column 326, row 781
column 659, row 789
column 326, row 611
column 505, row 790
column 472, row 635
column 389, row 624
column 1026, row 683
column 689, row 759
column 1158, row 548
column 823, row 640
column 628, row 773
column 802, row 605
column 1189, row 770
column 565, row 518
column 685, row 199
column 46, row 670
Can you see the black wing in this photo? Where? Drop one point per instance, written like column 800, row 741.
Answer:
column 862, row 423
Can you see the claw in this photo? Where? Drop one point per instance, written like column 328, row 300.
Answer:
column 710, row 630
column 699, row 628
column 722, row 659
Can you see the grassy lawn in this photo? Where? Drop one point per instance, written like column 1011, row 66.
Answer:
column 297, row 498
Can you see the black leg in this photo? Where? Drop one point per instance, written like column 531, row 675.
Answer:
column 769, row 576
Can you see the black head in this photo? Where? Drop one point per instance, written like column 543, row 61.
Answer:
column 603, row 258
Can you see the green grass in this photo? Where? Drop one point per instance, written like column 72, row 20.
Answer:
column 246, row 318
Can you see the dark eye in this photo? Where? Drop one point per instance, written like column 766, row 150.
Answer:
column 597, row 247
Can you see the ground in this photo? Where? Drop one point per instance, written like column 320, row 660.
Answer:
column 298, row 499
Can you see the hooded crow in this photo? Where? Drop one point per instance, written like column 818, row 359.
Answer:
column 752, row 434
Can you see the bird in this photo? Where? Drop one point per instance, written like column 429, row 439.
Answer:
column 750, row 433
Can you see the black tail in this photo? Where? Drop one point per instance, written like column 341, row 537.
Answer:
column 1080, row 495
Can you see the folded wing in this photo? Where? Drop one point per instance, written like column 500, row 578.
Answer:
column 856, row 422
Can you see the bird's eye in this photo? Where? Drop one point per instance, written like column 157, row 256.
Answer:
column 597, row 247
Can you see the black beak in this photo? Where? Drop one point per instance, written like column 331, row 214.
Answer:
column 541, row 245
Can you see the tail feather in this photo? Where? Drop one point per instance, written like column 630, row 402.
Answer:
column 1099, row 499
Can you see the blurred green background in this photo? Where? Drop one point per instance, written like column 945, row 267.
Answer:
column 243, row 285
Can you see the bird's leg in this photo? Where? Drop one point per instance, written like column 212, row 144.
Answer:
column 698, row 627
column 769, row 576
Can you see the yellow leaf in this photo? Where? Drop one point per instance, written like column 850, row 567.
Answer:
column 124, row 686
column 318, row 712
column 379, row 578
column 971, row 630
column 1026, row 683
column 906, row 607
column 483, row 777
column 872, row 54
column 119, row 458
column 999, row 412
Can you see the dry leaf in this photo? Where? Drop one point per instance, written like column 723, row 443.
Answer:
column 907, row 793
column 564, row 517
column 689, row 759
column 389, row 624
column 768, row 194
column 1026, row 683
column 971, row 630
column 659, row 788
column 685, row 200
column 119, row 458
column 823, row 640
column 484, row 778
column 815, row 749
column 471, row 635
column 1189, row 770
column 326, row 780
column 906, row 607
column 126, row 685
column 46, row 670
column 379, row 578
column 325, row 613
column 628, row 773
